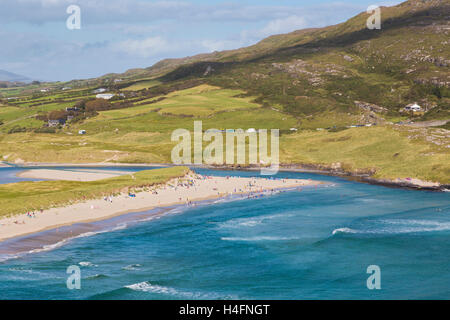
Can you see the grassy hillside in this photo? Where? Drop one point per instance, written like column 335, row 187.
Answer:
column 30, row 196
column 407, row 60
column 319, row 81
column 141, row 134
column 385, row 151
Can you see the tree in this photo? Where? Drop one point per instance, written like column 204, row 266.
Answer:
column 97, row 105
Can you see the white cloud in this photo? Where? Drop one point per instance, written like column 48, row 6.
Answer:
column 115, row 11
column 121, row 34
column 285, row 25
column 219, row 45
column 144, row 48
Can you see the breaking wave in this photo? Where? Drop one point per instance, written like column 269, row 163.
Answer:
column 252, row 222
column 169, row 291
column 344, row 230
column 398, row 226
column 132, row 267
column 87, row 264
column 260, row 238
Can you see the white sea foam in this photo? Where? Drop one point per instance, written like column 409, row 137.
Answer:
column 344, row 230
column 21, row 270
column 252, row 221
column 157, row 289
column 132, row 267
column 260, row 238
column 96, row 276
column 87, row 264
column 399, row 226
column 49, row 247
column 6, row 257
column 61, row 243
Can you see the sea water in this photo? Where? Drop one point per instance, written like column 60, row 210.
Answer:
column 313, row 243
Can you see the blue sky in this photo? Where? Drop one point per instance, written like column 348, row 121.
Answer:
column 117, row 35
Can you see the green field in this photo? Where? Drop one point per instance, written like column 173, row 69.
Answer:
column 387, row 151
column 142, row 134
column 142, row 84
column 26, row 196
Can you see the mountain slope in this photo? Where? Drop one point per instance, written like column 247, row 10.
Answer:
column 312, row 71
column 12, row 77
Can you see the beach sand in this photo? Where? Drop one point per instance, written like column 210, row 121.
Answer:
column 71, row 175
column 190, row 188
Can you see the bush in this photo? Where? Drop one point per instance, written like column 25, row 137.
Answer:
column 45, row 130
column 97, row 105
column 17, row 129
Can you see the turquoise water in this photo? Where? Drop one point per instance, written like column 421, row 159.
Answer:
column 311, row 244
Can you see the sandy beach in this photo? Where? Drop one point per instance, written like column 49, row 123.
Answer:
column 184, row 190
column 71, row 175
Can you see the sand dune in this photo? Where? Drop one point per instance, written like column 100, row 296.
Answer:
column 72, row 175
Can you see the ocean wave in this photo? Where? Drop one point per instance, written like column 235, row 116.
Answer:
column 53, row 246
column 132, row 267
column 87, row 264
column 417, row 222
column 252, row 221
column 48, row 247
column 6, row 257
column 96, row 276
column 398, row 226
column 343, row 230
column 29, row 273
column 21, row 270
column 260, row 238
column 169, row 291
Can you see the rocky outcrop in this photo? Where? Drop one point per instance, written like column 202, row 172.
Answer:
column 370, row 106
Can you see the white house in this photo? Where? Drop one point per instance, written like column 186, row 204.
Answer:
column 53, row 123
column 99, row 90
column 413, row 107
column 105, row 96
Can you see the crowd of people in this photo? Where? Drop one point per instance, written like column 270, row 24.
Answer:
column 253, row 188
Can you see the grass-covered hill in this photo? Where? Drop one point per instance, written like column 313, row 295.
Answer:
column 326, row 83
column 407, row 60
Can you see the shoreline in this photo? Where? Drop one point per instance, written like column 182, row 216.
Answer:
column 179, row 191
column 52, row 238
column 362, row 177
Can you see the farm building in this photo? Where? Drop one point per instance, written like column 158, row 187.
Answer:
column 105, row 96
column 99, row 90
column 413, row 107
column 57, row 122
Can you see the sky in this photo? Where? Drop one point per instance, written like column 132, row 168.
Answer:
column 117, row 35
